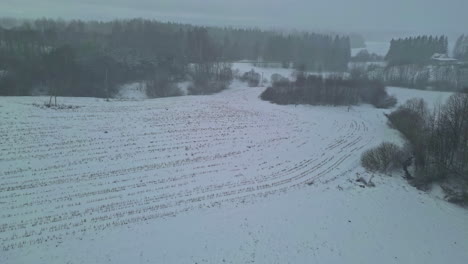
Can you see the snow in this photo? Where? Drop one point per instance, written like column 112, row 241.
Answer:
column 225, row 178
column 243, row 67
column 137, row 90
column 442, row 57
column 183, row 86
column 432, row 98
column 132, row 91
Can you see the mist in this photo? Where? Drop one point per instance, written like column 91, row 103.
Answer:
column 233, row 131
column 365, row 16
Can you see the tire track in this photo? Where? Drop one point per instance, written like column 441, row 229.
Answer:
column 160, row 159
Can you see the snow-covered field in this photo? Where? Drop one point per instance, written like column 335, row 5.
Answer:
column 432, row 98
column 266, row 72
column 225, row 178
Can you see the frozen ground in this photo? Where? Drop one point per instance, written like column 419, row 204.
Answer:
column 225, row 178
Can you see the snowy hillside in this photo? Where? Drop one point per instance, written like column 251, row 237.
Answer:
column 225, row 178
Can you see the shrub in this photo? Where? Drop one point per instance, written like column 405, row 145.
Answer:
column 275, row 78
column 374, row 92
column 162, row 86
column 410, row 119
column 252, row 78
column 384, row 158
column 457, row 194
column 333, row 90
column 438, row 139
column 225, row 74
column 387, row 102
column 210, row 78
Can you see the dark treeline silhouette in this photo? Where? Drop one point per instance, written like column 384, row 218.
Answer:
column 460, row 50
column 317, row 90
column 93, row 58
column 415, row 50
column 315, row 51
column 79, row 58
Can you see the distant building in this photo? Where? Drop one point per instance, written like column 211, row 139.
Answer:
column 443, row 59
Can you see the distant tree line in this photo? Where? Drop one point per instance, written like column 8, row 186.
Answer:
column 314, row 51
column 77, row 58
column 93, row 58
column 441, row 77
column 460, row 51
column 410, row 64
column 316, row 90
column 415, row 50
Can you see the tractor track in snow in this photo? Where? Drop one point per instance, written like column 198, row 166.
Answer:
column 105, row 165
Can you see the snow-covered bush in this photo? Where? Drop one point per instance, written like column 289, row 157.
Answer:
column 384, row 158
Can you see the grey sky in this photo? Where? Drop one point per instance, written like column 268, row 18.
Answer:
column 437, row 16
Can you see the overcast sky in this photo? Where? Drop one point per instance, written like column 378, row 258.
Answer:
column 438, row 16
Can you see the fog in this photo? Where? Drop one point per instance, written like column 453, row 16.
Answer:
column 431, row 16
